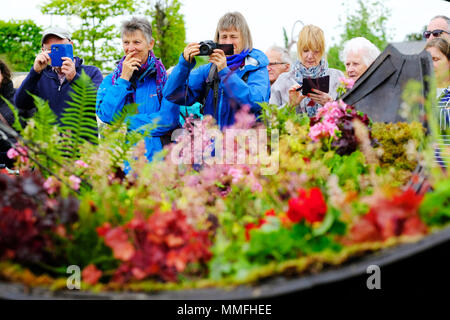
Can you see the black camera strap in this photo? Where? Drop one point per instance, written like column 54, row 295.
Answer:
column 212, row 82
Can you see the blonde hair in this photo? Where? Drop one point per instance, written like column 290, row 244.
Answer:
column 235, row 20
column 311, row 38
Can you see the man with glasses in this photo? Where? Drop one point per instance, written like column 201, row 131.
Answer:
column 439, row 27
column 53, row 83
column 279, row 62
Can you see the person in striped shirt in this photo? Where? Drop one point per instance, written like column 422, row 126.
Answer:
column 439, row 50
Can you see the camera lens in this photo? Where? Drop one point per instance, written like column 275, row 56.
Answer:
column 205, row 50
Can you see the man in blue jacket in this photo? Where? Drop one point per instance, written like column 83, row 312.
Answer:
column 53, row 83
column 241, row 79
column 139, row 78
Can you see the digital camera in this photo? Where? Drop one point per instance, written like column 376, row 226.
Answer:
column 207, row 47
column 58, row 51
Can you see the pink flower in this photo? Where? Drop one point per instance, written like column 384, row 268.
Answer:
column 81, row 163
column 323, row 130
column 236, row 173
column 75, row 182
column 51, row 185
column 347, row 82
column 12, row 153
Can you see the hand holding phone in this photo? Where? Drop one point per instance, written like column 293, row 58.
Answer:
column 58, row 51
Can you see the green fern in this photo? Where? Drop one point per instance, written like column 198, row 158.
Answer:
column 119, row 141
column 16, row 125
column 44, row 132
column 78, row 123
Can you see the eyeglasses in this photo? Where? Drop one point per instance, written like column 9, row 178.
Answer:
column 275, row 63
column 436, row 33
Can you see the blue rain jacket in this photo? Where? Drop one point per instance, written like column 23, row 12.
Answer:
column 111, row 100
column 233, row 91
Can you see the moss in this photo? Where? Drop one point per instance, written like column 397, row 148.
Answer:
column 394, row 138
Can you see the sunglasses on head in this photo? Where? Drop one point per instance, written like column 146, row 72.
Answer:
column 435, row 33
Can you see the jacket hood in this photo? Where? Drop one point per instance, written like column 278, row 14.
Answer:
column 259, row 56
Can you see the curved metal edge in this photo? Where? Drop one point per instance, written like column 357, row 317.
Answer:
column 271, row 288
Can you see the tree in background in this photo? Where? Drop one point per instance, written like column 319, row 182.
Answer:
column 416, row 36
column 168, row 30
column 95, row 39
column 20, row 41
column 369, row 21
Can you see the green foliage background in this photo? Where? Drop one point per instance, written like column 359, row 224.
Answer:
column 368, row 21
column 168, row 30
column 20, row 41
column 96, row 32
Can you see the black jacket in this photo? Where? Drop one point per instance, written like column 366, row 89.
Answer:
column 47, row 86
column 6, row 91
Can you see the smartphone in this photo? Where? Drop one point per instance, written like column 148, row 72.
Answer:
column 58, row 51
column 322, row 84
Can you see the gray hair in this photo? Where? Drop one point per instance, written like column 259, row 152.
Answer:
column 135, row 24
column 447, row 19
column 285, row 56
column 369, row 52
column 235, row 20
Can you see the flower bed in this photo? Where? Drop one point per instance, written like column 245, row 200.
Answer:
column 338, row 191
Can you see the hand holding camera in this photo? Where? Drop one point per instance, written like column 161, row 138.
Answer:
column 191, row 50
column 219, row 59
column 41, row 61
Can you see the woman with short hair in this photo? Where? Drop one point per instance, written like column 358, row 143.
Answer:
column 228, row 81
column 139, row 78
column 311, row 63
column 358, row 54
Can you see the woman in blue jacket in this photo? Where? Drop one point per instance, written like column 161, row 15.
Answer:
column 139, row 78
column 241, row 78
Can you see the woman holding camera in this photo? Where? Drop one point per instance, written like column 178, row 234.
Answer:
column 228, row 81
column 139, row 78
column 311, row 63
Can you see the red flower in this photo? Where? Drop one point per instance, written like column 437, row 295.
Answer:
column 316, row 205
column 101, row 231
column 309, row 204
column 248, row 227
column 117, row 239
column 91, row 274
column 390, row 218
column 163, row 246
column 262, row 221
column 296, row 209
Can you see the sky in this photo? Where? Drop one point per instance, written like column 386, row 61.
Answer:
column 266, row 18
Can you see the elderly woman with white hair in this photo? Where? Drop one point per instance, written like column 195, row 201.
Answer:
column 357, row 55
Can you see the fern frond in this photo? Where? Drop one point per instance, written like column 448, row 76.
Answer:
column 78, row 120
column 16, row 125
